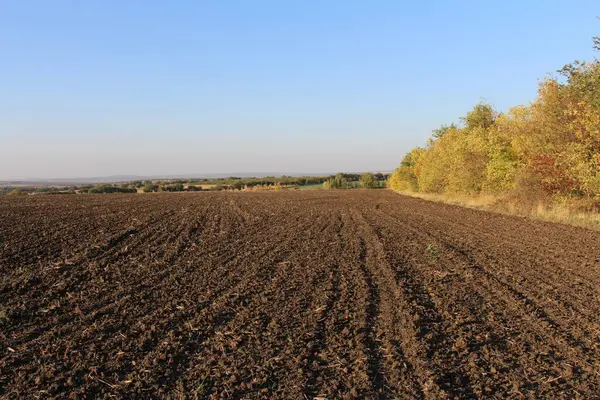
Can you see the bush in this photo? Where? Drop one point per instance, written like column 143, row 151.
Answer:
column 178, row 187
column 150, row 187
column 336, row 182
column 237, row 185
column 368, row 181
column 103, row 189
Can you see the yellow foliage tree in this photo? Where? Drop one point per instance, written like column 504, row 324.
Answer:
column 551, row 146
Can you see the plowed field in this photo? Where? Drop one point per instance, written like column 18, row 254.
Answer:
column 292, row 295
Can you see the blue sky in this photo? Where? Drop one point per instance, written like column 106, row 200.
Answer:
column 96, row 88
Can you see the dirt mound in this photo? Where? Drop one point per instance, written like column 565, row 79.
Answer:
column 341, row 294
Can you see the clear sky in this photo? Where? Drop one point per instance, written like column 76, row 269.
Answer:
column 97, row 88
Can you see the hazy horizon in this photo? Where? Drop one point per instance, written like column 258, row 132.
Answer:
column 128, row 177
column 112, row 88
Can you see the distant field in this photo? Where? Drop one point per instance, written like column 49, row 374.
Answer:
column 311, row 187
column 292, row 295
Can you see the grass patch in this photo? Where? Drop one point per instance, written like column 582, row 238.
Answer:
column 311, row 187
column 559, row 212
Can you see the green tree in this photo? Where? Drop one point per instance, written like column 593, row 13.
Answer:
column 368, row 181
column 337, row 182
column 238, row 184
column 150, row 187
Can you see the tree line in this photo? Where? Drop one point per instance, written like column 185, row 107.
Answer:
column 338, row 181
column 546, row 151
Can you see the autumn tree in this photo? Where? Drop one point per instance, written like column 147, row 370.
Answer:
column 550, row 147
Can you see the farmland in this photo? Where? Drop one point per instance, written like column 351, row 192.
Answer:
column 292, row 294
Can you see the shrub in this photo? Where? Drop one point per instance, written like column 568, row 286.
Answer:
column 368, row 181
column 338, row 181
column 150, row 187
column 178, row 187
column 237, row 185
column 102, row 189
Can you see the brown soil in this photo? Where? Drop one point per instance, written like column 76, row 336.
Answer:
column 333, row 294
